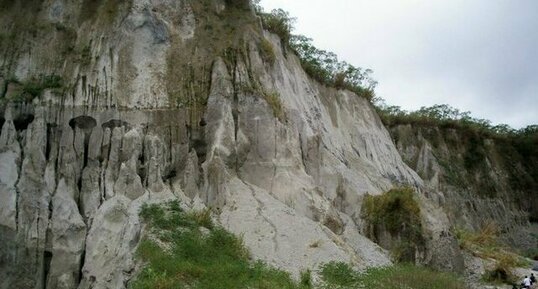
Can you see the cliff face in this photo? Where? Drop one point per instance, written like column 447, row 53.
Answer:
column 481, row 179
column 109, row 104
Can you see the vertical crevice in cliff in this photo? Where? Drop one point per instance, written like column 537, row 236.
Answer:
column 275, row 154
column 82, row 261
column 47, row 260
column 303, row 154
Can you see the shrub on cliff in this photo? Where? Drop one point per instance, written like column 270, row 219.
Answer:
column 242, row 4
column 398, row 213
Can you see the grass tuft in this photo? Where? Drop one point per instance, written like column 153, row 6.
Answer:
column 273, row 99
column 267, row 51
column 338, row 274
column 485, row 244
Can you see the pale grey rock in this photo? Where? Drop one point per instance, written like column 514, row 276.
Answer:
column 442, row 248
column 68, row 162
column 220, row 129
column 8, row 193
column 113, row 164
column 8, row 135
column 191, row 176
column 275, row 233
column 91, row 195
column 154, row 153
column 155, row 179
column 129, row 183
column 110, row 244
column 216, row 177
column 292, row 184
column 68, row 235
column 10, row 158
column 33, row 209
column 131, row 146
column 94, row 144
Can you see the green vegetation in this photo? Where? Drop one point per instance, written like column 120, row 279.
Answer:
column 321, row 65
column 445, row 116
column 186, row 250
column 485, row 244
column 278, row 22
column 267, row 52
column 341, row 276
column 532, row 253
column 398, row 213
column 273, row 99
column 189, row 63
column 103, row 11
column 515, row 150
column 338, row 274
column 33, row 87
column 409, row 276
column 241, row 4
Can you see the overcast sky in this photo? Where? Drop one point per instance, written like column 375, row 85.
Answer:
column 479, row 56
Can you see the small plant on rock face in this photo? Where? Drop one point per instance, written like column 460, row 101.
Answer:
column 316, row 244
column 273, row 99
column 267, row 51
column 397, row 212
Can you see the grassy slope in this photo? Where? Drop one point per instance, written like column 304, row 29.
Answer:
column 186, row 250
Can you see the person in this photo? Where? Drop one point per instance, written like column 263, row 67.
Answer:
column 526, row 282
column 532, row 278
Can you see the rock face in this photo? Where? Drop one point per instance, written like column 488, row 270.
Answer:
column 478, row 179
column 145, row 100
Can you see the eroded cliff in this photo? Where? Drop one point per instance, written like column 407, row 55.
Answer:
column 482, row 178
column 110, row 104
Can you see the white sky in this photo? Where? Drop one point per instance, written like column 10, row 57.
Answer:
column 479, row 55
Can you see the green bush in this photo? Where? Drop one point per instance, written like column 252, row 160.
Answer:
column 306, row 279
column 397, row 212
column 338, row 274
column 280, row 23
column 267, row 52
column 242, row 4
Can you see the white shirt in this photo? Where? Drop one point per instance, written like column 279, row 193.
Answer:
column 527, row 281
